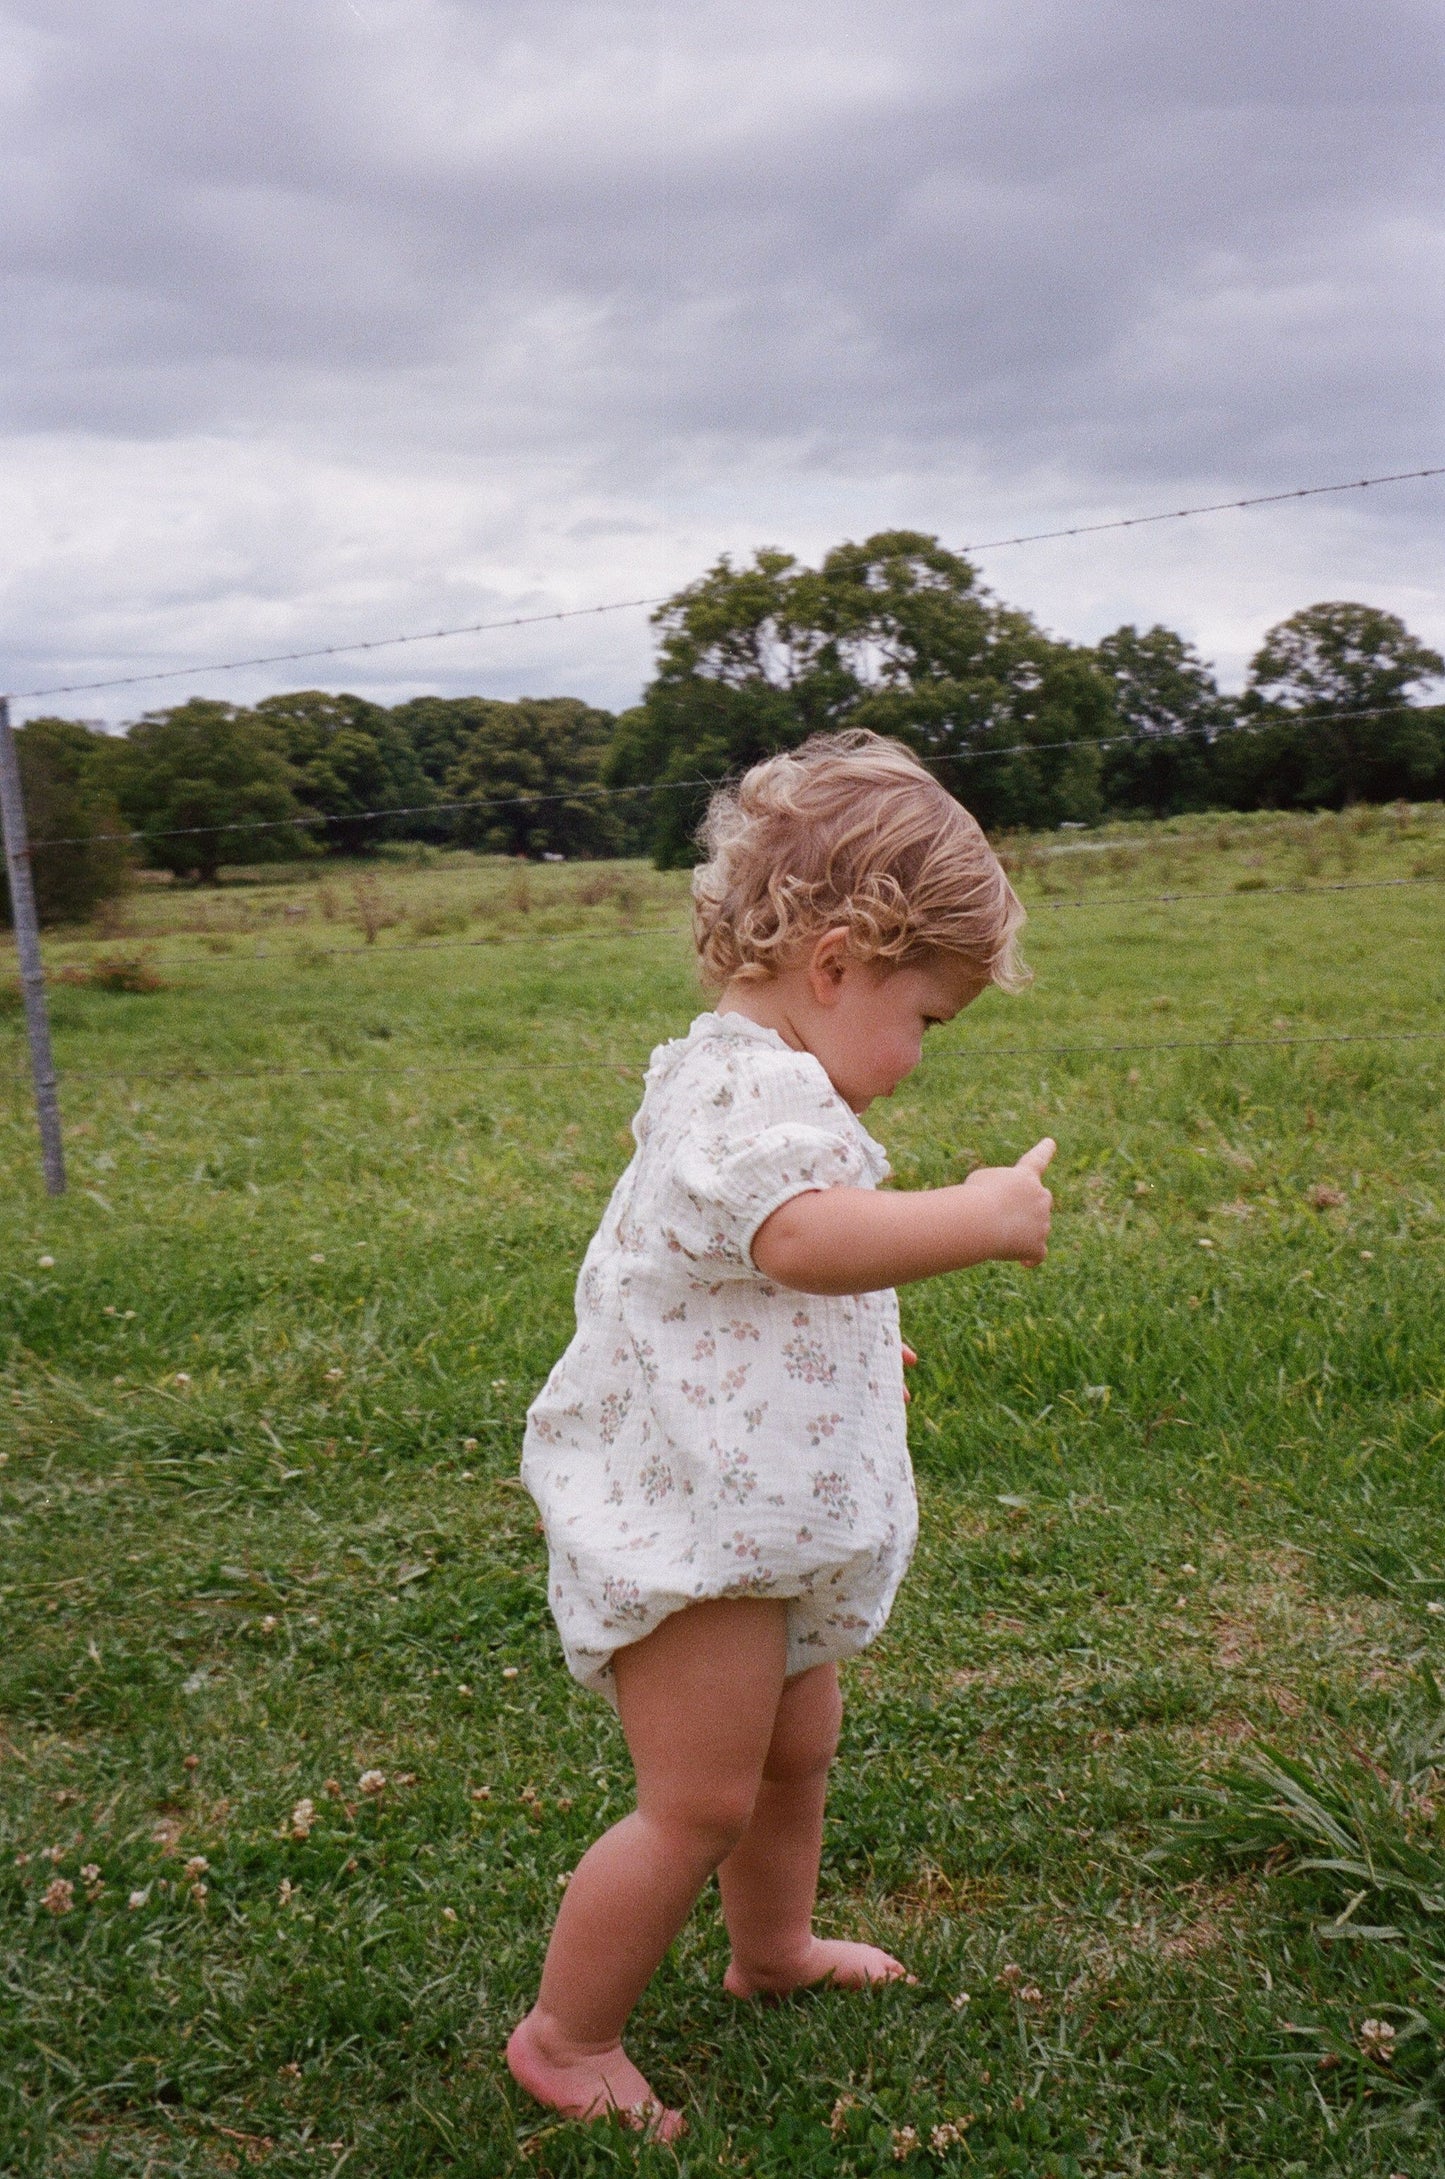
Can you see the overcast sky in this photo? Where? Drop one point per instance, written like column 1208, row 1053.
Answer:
column 335, row 318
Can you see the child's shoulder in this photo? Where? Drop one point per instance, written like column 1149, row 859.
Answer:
column 730, row 1072
column 741, row 1057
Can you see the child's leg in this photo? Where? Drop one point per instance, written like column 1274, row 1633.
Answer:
column 697, row 1698
column 769, row 1882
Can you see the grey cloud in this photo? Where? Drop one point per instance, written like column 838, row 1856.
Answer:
column 641, row 254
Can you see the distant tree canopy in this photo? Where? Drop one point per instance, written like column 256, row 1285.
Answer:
column 1326, row 719
column 348, row 756
column 78, row 856
column 528, row 776
column 894, row 634
column 1169, row 712
column 207, row 784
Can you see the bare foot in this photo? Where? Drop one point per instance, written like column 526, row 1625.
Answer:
column 844, row 1966
column 587, row 2087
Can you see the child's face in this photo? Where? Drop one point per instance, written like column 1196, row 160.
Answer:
column 869, row 1031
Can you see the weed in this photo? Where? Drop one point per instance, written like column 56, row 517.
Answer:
column 373, row 914
column 127, row 972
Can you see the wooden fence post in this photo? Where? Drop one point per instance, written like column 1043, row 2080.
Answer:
column 27, row 946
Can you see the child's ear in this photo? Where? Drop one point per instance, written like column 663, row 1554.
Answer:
column 827, row 966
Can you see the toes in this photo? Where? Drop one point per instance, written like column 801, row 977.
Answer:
column 656, row 2121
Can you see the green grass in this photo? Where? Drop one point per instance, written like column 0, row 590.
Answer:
column 260, row 1420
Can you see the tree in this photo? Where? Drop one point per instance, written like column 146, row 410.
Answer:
column 894, row 633
column 206, row 784
column 1169, row 703
column 438, row 729
column 530, row 771
column 1327, row 705
column 347, row 756
column 66, row 804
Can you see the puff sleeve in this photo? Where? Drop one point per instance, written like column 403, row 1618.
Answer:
column 771, row 1128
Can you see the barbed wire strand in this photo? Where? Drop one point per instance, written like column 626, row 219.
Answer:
column 629, row 1068
column 1144, row 737
column 625, row 605
column 303, row 954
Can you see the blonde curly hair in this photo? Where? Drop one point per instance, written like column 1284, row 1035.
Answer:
column 848, row 831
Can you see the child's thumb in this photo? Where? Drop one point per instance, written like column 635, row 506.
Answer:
column 1037, row 1159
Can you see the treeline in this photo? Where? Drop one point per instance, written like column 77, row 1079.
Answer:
column 896, row 633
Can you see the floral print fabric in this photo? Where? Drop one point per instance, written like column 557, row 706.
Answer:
column 708, row 1433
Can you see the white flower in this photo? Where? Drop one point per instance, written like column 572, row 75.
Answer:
column 196, row 1866
column 372, row 1781
column 59, row 1898
column 287, row 1891
column 334, row 1376
column 1376, row 2039
column 318, row 1256
column 183, row 1377
column 46, row 1263
column 138, row 1899
column 509, row 1672
column 303, row 1815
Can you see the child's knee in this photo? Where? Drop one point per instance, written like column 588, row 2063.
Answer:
column 709, row 1823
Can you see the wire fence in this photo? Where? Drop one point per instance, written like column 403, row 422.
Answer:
column 535, row 798
column 628, row 1067
column 302, row 950
column 627, row 605
column 493, row 1062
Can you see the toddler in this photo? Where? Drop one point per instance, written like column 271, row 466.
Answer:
column 719, row 1457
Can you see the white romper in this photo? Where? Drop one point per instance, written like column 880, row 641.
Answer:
column 708, row 1433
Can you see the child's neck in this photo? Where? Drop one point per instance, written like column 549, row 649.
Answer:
column 772, row 1005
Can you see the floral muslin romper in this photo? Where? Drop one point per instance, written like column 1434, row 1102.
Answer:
column 707, row 1433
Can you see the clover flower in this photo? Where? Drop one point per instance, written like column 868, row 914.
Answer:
column 1376, row 2040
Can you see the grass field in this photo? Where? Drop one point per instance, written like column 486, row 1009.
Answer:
column 264, row 1373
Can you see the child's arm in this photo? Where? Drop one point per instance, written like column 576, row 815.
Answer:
column 854, row 1240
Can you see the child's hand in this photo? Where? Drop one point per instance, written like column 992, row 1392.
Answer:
column 1018, row 1206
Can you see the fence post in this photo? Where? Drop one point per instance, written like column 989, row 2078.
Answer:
column 27, row 946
